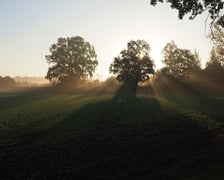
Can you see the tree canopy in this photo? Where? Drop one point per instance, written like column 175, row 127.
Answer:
column 179, row 62
column 71, row 59
column 134, row 63
column 194, row 7
column 217, row 38
column 214, row 69
column 214, row 62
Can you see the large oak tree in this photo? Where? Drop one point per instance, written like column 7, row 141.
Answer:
column 133, row 65
column 71, row 59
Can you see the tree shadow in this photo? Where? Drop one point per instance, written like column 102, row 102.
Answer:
column 210, row 106
column 197, row 96
column 129, row 136
column 123, row 108
column 125, row 137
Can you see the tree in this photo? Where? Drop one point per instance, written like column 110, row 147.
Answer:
column 71, row 59
column 195, row 7
column 179, row 62
column 214, row 66
column 133, row 65
column 217, row 38
column 7, row 82
column 214, row 62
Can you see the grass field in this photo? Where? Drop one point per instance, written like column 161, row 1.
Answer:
column 82, row 136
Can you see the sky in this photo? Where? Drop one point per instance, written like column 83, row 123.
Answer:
column 30, row 27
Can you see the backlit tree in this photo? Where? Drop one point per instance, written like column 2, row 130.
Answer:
column 133, row 65
column 71, row 59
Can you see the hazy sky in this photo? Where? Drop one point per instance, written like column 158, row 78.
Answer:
column 29, row 27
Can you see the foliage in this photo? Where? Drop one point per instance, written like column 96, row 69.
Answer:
column 214, row 67
column 134, row 63
column 71, row 59
column 214, row 60
column 194, row 7
column 217, row 38
column 179, row 62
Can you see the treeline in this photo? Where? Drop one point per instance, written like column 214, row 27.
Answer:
column 188, row 76
column 72, row 60
column 182, row 69
column 202, row 81
column 7, row 83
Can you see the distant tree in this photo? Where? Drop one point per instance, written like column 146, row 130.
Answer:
column 195, row 7
column 71, row 59
column 133, row 65
column 7, row 82
column 179, row 62
column 214, row 66
column 217, row 38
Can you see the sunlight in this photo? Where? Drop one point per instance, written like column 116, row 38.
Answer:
column 102, row 71
column 141, row 56
column 156, row 45
column 156, row 54
column 163, row 86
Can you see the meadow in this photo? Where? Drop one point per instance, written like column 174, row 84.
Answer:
column 48, row 135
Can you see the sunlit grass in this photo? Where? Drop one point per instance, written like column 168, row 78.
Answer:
column 46, row 113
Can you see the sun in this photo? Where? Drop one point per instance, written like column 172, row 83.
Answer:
column 141, row 56
column 156, row 52
column 102, row 71
column 156, row 45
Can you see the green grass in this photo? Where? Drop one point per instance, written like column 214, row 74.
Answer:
column 102, row 137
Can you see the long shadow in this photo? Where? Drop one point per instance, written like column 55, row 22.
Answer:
column 131, row 136
column 122, row 108
column 191, row 96
column 126, row 137
column 208, row 104
column 212, row 107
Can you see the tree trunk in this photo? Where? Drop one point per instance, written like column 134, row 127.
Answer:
column 130, row 87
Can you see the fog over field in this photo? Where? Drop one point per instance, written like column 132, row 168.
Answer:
column 112, row 89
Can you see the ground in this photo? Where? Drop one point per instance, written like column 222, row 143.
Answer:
column 47, row 135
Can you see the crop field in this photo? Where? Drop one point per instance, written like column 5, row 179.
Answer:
column 46, row 135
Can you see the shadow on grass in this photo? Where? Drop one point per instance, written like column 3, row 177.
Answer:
column 203, row 99
column 126, row 137
column 121, row 109
column 210, row 106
